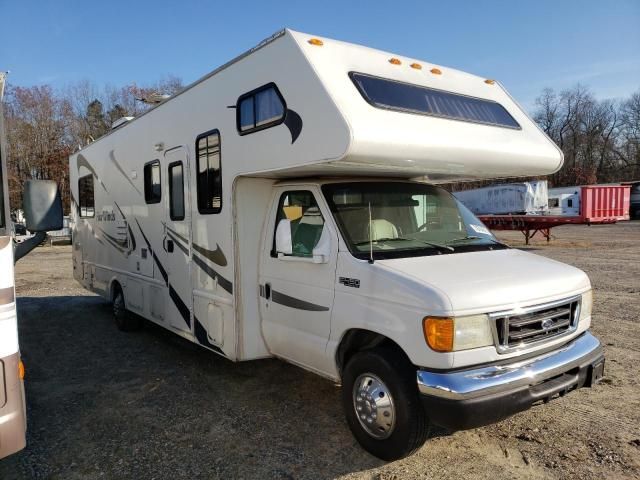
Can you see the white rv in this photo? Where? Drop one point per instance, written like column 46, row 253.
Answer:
column 268, row 211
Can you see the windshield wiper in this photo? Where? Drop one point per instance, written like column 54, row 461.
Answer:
column 475, row 237
column 394, row 239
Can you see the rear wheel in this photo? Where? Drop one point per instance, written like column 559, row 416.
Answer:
column 382, row 405
column 125, row 320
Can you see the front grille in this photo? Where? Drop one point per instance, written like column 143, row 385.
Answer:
column 523, row 327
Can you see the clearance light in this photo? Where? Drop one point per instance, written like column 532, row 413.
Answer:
column 488, row 81
column 395, row 61
column 438, row 332
column 317, row 42
column 21, row 370
column 417, row 66
column 436, row 71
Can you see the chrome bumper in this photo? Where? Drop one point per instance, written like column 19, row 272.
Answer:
column 502, row 378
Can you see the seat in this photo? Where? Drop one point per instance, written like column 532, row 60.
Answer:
column 381, row 228
column 306, row 233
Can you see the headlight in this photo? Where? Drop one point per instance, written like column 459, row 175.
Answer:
column 586, row 304
column 459, row 333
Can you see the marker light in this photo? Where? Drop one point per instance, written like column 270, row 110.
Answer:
column 488, row 81
column 316, row 41
column 438, row 332
column 436, row 71
column 395, row 61
column 21, row 370
column 417, row 66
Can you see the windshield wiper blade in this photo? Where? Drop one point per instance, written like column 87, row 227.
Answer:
column 394, row 239
column 475, row 237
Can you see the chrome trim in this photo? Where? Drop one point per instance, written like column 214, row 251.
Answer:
column 466, row 384
column 494, row 316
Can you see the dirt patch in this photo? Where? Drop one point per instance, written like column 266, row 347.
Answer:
column 105, row 404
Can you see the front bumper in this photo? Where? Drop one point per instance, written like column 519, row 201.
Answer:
column 471, row 398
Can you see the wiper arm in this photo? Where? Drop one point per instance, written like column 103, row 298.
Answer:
column 475, row 237
column 394, row 239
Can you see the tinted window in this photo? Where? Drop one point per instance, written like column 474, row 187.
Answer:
column 152, row 188
column 405, row 97
column 260, row 109
column 86, row 196
column 209, row 175
column 176, row 191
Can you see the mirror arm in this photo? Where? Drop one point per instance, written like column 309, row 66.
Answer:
column 21, row 249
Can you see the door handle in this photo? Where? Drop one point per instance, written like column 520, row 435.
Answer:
column 170, row 246
column 267, row 291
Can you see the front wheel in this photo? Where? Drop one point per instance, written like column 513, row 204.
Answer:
column 125, row 321
column 382, row 404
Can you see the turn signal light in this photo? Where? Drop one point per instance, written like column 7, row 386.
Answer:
column 316, row 41
column 21, row 370
column 395, row 61
column 436, row 71
column 439, row 332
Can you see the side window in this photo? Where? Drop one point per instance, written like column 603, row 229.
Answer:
column 176, row 191
column 298, row 213
column 261, row 108
column 152, row 185
column 208, row 171
column 86, row 196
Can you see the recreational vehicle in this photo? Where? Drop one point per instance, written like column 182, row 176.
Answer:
column 286, row 205
column 43, row 211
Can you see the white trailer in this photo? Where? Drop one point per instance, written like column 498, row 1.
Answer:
column 564, row 201
column 267, row 211
column 523, row 198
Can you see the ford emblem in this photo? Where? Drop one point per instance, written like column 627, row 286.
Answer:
column 547, row 323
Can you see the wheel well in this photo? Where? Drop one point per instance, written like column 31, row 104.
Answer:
column 357, row 339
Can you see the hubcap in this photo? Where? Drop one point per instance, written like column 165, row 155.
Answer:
column 374, row 406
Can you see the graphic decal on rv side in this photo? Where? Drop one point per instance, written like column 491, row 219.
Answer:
column 83, row 162
column 223, row 282
column 121, row 170
column 203, row 337
column 216, row 256
column 293, row 121
column 180, row 305
column 114, row 242
column 177, row 242
column 287, row 301
column 132, row 237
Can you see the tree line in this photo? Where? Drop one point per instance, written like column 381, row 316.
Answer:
column 600, row 139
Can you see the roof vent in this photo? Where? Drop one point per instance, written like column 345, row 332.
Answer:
column 121, row 121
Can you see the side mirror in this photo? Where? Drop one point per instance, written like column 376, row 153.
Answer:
column 283, row 237
column 322, row 251
column 42, row 206
column 42, row 211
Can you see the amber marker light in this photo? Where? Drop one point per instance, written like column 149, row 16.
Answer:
column 395, row 61
column 417, row 66
column 317, row 42
column 438, row 332
column 488, row 81
column 21, row 370
column 436, row 71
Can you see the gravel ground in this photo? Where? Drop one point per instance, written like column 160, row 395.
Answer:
column 149, row 405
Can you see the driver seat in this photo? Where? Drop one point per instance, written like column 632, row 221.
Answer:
column 381, row 228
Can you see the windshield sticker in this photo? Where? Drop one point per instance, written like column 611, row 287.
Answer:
column 480, row 229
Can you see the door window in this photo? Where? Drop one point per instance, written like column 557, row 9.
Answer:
column 152, row 188
column 300, row 211
column 176, row 191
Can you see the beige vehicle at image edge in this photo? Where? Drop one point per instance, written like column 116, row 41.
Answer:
column 43, row 211
column 294, row 213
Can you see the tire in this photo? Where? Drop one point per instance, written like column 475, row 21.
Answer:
column 400, row 425
column 125, row 320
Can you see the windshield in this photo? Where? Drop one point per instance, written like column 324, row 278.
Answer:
column 395, row 219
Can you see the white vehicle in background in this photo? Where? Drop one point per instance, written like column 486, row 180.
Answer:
column 43, row 211
column 268, row 211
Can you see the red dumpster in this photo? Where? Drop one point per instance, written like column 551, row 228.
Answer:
column 605, row 203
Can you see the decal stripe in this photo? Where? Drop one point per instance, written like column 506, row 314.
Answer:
column 163, row 272
column 292, row 302
column 217, row 256
column 133, row 238
column 176, row 234
column 203, row 337
column 113, row 159
column 293, row 121
column 177, row 243
column 7, row 295
column 180, row 305
column 223, row 282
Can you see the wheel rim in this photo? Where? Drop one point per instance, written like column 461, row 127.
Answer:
column 118, row 305
column 374, row 406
